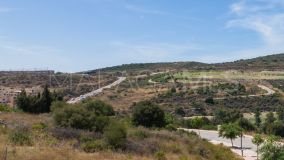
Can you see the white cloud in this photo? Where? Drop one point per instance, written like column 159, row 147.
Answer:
column 264, row 17
column 237, row 8
column 5, row 10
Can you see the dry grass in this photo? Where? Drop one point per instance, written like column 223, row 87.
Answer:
column 63, row 153
column 25, row 119
column 124, row 98
column 175, row 146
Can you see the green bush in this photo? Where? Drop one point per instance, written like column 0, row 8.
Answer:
column 141, row 134
column 115, row 135
column 94, row 146
column 160, row 155
column 20, row 137
column 196, row 123
column 246, row 124
column 91, row 116
column 5, row 108
column 170, row 127
column 224, row 115
column 99, row 107
column 148, row 114
column 39, row 126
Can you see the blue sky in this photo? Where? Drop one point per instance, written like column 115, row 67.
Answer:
column 76, row 35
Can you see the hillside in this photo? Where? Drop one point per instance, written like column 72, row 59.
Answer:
column 270, row 62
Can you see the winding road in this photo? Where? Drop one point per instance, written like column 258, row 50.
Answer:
column 249, row 149
column 96, row 92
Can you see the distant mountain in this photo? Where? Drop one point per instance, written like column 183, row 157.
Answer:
column 271, row 62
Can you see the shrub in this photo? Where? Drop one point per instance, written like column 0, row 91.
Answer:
column 4, row 108
column 94, row 146
column 141, row 134
column 209, row 100
column 99, row 107
column 196, row 123
column 115, row 135
column 180, row 111
column 246, row 124
column 169, row 118
column 148, row 114
column 79, row 117
column 278, row 129
column 20, row 136
column 224, row 115
column 73, row 116
column 160, row 155
column 170, row 127
column 39, row 126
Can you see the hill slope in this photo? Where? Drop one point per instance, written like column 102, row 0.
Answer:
column 271, row 62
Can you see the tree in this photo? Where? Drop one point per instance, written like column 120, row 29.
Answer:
column 223, row 115
column 270, row 118
column 268, row 124
column 245, row 124
column 148, row 114
column 35, row 104
column 272, row 150
column 230, row 131
column 257, row 140
column 257, row 118
column 23, row 101
column 46, row 100
column 280, row 113
column 209, row 100
column 180, row 111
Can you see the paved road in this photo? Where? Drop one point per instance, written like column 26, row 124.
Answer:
column 96, row 92
column 213, row 137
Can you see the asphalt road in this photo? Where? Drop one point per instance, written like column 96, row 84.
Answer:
column 249, row 149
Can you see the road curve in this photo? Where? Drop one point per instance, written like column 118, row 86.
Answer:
column 213, row 137
column 96, row 92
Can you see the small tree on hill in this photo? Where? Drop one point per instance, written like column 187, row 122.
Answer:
column 148, row 114
column 45, row 100
column 280, row 113
column 257, row 117
column 270, row 118
column 257, row 140
column 230, row 131
column 23, row 101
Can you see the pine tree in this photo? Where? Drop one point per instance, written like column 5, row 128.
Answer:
column 23, row 101
column 257, row 117
column 45, row 100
